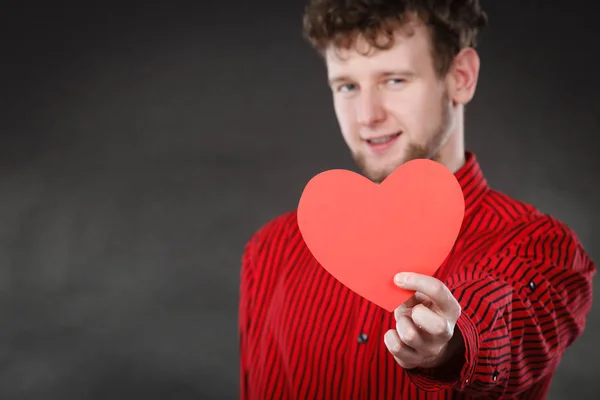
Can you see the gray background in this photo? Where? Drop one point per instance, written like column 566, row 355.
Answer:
column 141, row 147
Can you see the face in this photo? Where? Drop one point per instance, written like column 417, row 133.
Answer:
column 391, row 105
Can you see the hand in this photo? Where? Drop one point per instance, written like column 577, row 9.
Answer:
column 424, row 334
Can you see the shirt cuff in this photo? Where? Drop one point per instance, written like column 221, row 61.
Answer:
column 459, row 370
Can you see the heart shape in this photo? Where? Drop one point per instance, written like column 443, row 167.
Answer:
column 363, row 233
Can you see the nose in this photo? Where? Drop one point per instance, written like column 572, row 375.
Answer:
column 370, row 110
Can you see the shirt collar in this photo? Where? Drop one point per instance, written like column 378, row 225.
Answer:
column 471, row 180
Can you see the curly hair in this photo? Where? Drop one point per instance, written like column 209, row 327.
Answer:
column 453, row 24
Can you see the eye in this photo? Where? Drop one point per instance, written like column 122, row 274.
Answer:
column 346, row 87
column 395, row 81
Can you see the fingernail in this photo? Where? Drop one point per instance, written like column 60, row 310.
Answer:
column 400, row 278
column 390, row 343
column 386, row 341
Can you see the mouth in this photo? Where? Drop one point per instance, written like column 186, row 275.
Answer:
column 382, row 143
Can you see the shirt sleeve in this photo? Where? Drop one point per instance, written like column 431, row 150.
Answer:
column 261, row 253
column 523, row 305
column 244, row 314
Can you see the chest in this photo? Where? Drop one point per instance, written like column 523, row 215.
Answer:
column 325, row 339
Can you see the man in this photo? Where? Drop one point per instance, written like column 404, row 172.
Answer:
column 508, row 301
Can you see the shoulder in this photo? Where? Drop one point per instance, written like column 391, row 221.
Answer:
column 529, row 233
column 506, row 208
column 549, row 240
column 276, row 230
column 275, row 234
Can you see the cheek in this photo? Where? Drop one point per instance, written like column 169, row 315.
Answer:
column 415, row 112
column 403, row 110
column 345, row 116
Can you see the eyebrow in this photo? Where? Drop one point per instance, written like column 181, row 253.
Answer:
column 345, row 78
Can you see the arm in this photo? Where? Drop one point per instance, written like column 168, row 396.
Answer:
column 522, row 306
column 265, row 249
column 244, row 312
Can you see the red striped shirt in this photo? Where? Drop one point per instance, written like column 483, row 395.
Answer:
column 522, row 278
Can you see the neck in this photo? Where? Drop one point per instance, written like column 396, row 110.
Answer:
column 452, row 154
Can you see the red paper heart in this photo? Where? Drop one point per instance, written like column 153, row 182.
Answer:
column 363, row 233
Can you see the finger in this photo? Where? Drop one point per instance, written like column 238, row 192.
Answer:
column 406, row 307
column 437, row 292
column 438, row 327
column 409, row 334
column 416, row 298
column 406, row 357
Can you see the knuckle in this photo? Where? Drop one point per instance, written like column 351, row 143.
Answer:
column 458, row 311
column 441, row 329
column 409, row 335
column 438, row 287
column 437, row 350
column 449, row 296
column 419, row 309
column 458, row 308
column 414, row 312
column 404, row 363
column 448, row 333
column 398, row 313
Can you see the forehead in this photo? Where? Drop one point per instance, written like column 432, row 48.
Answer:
column 411, row 50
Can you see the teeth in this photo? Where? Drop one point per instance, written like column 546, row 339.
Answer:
column 382, row 140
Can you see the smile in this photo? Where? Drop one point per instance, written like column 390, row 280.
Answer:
column 382, row 143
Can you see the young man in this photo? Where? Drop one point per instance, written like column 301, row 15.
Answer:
column 508, row 301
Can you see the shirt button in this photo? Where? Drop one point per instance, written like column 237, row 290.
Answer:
column 532, row 285
column 362, row 338
column 495, row 376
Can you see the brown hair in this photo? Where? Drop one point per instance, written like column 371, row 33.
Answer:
column 453, row 24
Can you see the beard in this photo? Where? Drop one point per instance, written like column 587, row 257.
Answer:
column 430, row 150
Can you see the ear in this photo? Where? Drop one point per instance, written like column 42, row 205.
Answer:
column 463, row 76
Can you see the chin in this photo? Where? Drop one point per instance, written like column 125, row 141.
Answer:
column 377, row 174
column 377, row 167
